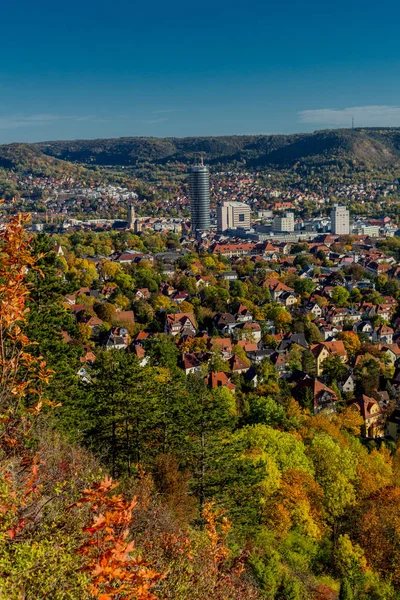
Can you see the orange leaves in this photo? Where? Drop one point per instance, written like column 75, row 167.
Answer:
column 297, row 503
column 217, row 530
column 116, row 570
column 16, row 261
column 351, row 342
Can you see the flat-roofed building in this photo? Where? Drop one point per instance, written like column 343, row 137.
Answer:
column 283, row 222
column 340, row 220
column 233, row 215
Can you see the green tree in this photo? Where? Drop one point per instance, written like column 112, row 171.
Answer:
column 264, row 410
column 340, row 296
column 162, row 351
column 309, row 363
column 333, row 369
column 367, row 375
column 346, row 593
column 47, row 319
column 335, row 470
column 211, row 419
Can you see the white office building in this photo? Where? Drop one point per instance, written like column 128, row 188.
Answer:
column 283, row 223
column 233, row 215
column 340, row 220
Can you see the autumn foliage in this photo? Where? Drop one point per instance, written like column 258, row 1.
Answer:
column 243, row 497
column 117, row 571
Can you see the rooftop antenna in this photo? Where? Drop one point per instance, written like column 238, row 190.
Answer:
column 202, row 159
column 352, row 122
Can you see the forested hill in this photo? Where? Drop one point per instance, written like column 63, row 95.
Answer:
column 364, row 148
column 28, row 159
column 372, row 147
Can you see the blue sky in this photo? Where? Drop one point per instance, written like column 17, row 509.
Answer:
column 126, row 68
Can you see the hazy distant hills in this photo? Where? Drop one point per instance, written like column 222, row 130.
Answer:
column 373, row 147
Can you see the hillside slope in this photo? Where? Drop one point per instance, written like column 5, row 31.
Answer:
column 373, row 147
column 28, row 159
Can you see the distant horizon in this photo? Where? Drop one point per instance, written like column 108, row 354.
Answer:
column 182, row 137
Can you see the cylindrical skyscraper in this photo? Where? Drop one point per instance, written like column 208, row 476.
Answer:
column 199, row 183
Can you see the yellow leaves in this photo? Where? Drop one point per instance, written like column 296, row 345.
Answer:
column 350, row 420
column 298, row 502
column 349, row 557
column 37, row 408
column 217, row 529
column 351, row 342
column 374, row 472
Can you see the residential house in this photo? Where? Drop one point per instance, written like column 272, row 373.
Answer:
column 140, row 353
column 324, row 350
column 180, row 297
column 277, row 288
column 280, row 361
column 347, row 386
column 225, row 321
column 392, row 351
column 224, row 345
column 365, row 328
column 243, row 315
column 117, row 339
column 180, row 323
column 323, row 398
column 384, row 334
column 229, row 275
column 330, row 332
column 84, row 375
column 142, row 294
column 258, row 356
column 202, row 281
column 140, row 337
column 89, row 356
column 237, row 365
column 372, row 414
column 219, row 379
column 248, row 346
column 314, row 309
column 287, row 299
column 251, row 377
column 250, row 331
column 191, row 363
column 293, row 338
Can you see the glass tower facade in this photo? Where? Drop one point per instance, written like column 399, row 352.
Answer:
column 199, row 183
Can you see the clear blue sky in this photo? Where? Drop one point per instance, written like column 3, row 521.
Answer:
column 86, row 69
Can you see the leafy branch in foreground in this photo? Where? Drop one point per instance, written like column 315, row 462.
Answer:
column 116, row 570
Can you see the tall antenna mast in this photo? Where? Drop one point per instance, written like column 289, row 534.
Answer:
column 202, row 159
column 352, row 122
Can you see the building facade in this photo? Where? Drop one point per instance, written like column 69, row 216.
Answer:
column 340, row 220
column 233, row 215
column 283, row 223
column 199, row 184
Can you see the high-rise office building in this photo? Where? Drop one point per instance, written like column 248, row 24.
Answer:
column 233, row 215
column 340, row 220
column 199, row 184
column 283, row 223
